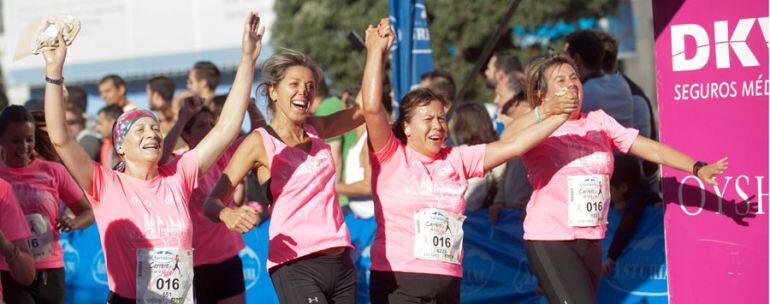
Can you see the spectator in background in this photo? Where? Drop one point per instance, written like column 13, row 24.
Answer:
column 77, row 99
column 105, row 120
column 442, row 83
column 516, row 189
column 113, row 89
column 90, row 141
column 470, row 125
column 202, row 81
column 602, row 91
column 160, row 93
column 624, row 177
column 504, row 75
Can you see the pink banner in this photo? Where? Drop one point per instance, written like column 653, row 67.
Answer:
column 713, row 87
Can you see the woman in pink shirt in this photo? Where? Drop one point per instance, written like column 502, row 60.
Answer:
column 419, row 185
column 570, row 172
column 143, row 211
column 39, row 186
column 308, row 257
column 14, row 236
column 218, row 270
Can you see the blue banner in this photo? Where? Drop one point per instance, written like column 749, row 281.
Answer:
column 411, row 52
column 495, row 264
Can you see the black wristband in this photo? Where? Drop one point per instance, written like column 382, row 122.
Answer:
column 697, row 166
column 59, row 81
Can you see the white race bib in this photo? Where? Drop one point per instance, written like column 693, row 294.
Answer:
column 41, row 240
column 438, row 235
column 588, row 199
column 164, row 275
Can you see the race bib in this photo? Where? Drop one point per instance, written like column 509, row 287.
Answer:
column 438, row 235
column 164, row 275
column 588, row 199
column 41, row 242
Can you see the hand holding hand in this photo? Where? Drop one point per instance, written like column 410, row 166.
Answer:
column 380, row 38
column 241, row 219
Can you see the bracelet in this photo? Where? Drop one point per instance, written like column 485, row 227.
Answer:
column 537, row 114
column 697, row 166
column 59, row 81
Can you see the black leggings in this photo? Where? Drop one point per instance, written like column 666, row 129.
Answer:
column 568, row 271
column 48, row 287
column 407, row 287
column 316, row 279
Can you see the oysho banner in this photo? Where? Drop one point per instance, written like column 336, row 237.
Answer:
column 713, row 87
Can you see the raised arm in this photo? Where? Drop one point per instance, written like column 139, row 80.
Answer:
column 337, row 123
column 659, row 153
column 240, row 219
column 225, row 131
column 378, row 42
column 502, row 151
column 74, row 157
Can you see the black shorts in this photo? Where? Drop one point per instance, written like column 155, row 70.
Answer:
column 214, row 282
column 568, row 271
column 316, row 279
column 48, row 287
column 408, row 287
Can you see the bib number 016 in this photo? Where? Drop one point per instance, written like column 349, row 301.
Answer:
column 442, row 241
column 169, row 284
column 590, row 206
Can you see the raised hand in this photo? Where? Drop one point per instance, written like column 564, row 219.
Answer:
column 54, row 58
column 252, row 37
column 190, row 106
column 708, row 172
column 379, row 38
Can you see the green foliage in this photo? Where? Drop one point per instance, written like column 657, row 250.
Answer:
column 459, row 31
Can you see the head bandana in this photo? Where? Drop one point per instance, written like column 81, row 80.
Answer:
column 124, row 123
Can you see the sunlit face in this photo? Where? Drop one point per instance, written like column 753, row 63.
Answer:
column 104, row 125
column 426, row 131
column 143, row 142
column 18, row 143
column 110, row 93
column 563, row 76
column 490, row 72
column 294, row 95
column 194, row 85
column 202, row 125
column 73, row 123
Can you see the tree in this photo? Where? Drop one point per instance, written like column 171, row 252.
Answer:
column 458, row 29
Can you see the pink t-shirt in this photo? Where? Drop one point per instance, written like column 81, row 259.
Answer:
column 38, row 187
column 579, row 147
column 213, row 242
column 132, row 214
column 12, row 222
column 306, row 215
column 404, row 182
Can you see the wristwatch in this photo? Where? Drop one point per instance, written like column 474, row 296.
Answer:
column 697, row 166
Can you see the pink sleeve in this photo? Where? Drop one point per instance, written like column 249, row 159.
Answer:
column 188, row 168
column 12, row 222
column 387, row 151
column 100, row 176
column 621, row 136
column 69, row 191
column 472, row 158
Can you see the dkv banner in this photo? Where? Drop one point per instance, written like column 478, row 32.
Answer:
column 713, row 87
